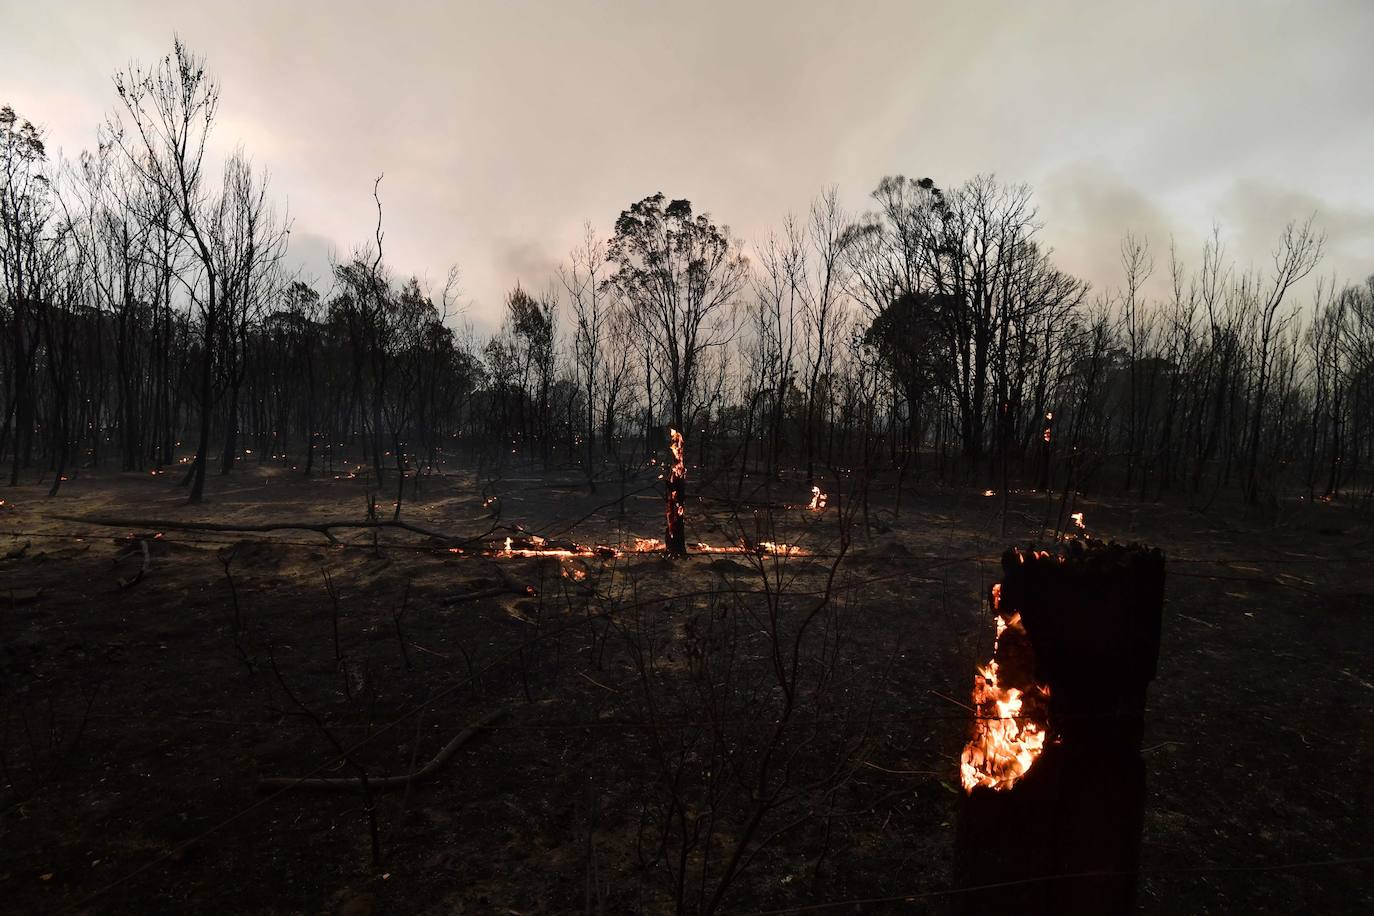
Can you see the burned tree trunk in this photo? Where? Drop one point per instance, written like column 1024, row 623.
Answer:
column 675, row 537
column 1065, row 836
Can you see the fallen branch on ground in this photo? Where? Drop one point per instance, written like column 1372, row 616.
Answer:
column 346, row 783
column 508, row 586
column 493, row 592
column 324, row 528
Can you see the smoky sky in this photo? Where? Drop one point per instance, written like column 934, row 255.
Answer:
column 501, row 127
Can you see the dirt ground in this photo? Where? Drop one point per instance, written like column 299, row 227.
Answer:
column 137, row 721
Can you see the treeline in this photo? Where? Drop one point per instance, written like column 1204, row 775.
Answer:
column 149, row 324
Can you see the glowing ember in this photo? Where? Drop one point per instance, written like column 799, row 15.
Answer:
column 535, row 546
column 544, row 552
column 781, row 550
column 989, row 492
column 817, row 499
column 762, row 548
column 1009, row 732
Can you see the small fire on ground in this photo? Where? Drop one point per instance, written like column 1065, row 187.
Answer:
column 817, row 500
column 535, row 546
column 673, row 542
column 1011, row 725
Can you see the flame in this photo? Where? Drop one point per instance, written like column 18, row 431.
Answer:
column 674, row 510
column 762, row 548
column 1036, row 555
column 989, row 492
column 1006, row 737
column 817, row 499
column 1078, row 520
column 782, row 550
column 675, row 445
column 536, row 546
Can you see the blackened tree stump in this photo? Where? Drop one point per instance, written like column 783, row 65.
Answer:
column 1065, row 838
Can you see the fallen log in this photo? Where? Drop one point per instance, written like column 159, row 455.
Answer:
column 494, row 592
column 324, row 528
column 347, row 783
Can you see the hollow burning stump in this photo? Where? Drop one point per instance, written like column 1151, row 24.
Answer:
column 1053, row 806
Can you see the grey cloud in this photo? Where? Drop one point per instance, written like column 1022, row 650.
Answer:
column 1087, row 210
column 311, row 256
column 501, row 126
column 1257, row 211
column 524, row 261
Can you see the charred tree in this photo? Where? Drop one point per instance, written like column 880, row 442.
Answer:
column 675, row 537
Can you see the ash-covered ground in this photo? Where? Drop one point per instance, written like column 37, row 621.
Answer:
column 745, row 731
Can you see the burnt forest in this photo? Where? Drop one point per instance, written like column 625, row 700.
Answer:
column 889, row 552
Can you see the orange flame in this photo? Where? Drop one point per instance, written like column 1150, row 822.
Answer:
column 675, row 510
column 535, row 546
column 817, row 499
column 675, row 445
column 1006, row 739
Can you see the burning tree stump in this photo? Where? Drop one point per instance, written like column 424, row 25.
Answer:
column 675, row 537
column 1061, row 834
